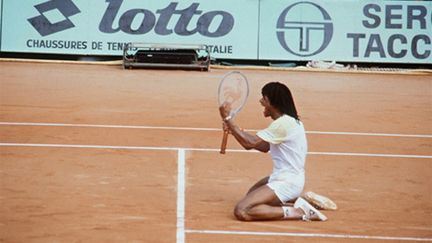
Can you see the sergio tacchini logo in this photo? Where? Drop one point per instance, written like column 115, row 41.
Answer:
column 54, row 16
column 301, row 22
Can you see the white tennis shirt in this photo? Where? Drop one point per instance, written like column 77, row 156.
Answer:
column 288, row 145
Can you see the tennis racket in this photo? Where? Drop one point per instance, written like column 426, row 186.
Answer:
column 234, row 91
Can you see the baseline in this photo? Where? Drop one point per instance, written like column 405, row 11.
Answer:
column 308, row 235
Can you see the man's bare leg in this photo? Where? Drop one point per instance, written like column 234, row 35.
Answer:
column 260, row 183
column 259, row 203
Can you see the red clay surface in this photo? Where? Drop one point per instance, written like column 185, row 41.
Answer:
column 75, row 194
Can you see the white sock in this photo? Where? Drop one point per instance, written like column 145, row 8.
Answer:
column 288, row 211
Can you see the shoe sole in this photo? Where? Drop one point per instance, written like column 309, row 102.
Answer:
column 320, row 201
column 303, row 202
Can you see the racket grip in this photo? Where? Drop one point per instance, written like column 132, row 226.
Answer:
column 224, row 142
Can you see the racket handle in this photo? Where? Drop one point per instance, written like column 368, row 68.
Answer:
column 224, row 142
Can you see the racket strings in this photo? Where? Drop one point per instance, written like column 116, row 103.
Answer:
column 233, row 93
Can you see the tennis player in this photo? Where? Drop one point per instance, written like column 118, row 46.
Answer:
column 271, row 198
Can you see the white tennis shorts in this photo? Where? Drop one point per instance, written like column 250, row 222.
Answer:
column 287, row 186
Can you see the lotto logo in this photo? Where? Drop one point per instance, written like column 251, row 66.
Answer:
column 54, row 16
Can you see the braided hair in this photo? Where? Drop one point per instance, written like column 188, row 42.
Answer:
column 281, row 98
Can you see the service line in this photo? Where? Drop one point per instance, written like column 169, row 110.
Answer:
column 181, row 179
column 87, row 146
column 201, row 129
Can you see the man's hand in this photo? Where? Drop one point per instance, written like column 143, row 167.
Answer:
column 225, row 110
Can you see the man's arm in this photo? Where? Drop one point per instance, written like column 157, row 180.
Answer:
column 247, row 140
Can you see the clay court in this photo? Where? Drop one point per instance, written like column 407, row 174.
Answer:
column 95, row 153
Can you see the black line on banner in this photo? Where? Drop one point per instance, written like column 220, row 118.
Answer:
column 259, row 28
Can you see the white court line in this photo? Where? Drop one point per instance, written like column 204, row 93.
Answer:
column 200, row 149
column 311, row 235
column 181, row 177
column 202, row 129
column 181, row 196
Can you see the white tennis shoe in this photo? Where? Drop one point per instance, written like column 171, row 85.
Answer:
column 319, row 201
column 311, row 213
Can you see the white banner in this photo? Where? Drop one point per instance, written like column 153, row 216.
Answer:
column 349, row 30
column 101, row 27
column 353, row 31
